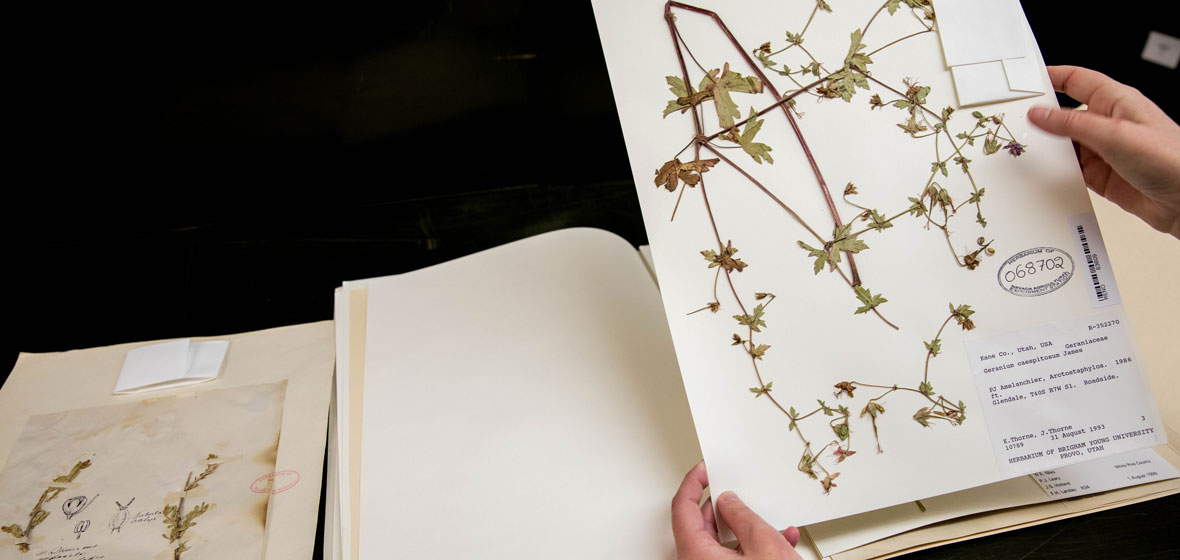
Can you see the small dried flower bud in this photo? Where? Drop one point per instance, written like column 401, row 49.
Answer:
column 991, row 251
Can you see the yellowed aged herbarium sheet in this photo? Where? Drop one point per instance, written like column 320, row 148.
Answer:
column 263, row 419
column 188, row 476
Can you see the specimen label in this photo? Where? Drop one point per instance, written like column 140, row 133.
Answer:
column 1063, row 393
column 1091, row 477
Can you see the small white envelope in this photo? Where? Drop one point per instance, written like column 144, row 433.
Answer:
column 990, row 50
column 170, row 364
column 992, row 82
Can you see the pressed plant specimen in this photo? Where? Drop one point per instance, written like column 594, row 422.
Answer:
column 177, row 519
column 38, row 514
column 935, row 204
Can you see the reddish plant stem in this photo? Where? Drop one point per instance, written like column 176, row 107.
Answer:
column 774, row 91
column 758, row 184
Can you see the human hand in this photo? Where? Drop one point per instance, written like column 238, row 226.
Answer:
column 1128, row 147
column 695, row 528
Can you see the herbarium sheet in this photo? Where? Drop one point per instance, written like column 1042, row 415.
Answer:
column 179, row 477
column 876, row 293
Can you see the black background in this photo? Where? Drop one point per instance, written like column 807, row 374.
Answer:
column 199, row 171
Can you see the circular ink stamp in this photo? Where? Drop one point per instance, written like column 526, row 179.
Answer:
column 275, row 483
column 1035, row 272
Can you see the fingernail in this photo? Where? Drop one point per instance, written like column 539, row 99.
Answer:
column 727, row 496
column 1038, row 113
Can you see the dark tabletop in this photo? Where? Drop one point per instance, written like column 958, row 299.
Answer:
column 191, row 171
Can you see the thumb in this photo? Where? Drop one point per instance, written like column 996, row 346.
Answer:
column 754, row 534
column 792, row 535
column 1085, row 127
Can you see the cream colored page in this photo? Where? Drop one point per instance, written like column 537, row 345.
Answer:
column 815, row 339
column 200, row 454
column 529, row 402
column 343, row 424
column 300, row 355
column 356, row 301
column 331, row 528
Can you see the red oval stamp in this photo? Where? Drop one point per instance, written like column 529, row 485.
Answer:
column 275, row 483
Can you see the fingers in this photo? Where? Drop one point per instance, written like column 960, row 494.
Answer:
column 1092, row 130
column 1103, row 95
column 1077, row 82
column 710, row 519
column 688, row 520
column 756, row 536
column 792, row 535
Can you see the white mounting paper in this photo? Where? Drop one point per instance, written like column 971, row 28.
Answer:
column 816, row 339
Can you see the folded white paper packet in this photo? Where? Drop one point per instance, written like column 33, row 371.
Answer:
column 989, row 49
column 170, row 364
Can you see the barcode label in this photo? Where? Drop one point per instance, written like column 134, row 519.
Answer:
column 1092, row 262
column 1103, row 290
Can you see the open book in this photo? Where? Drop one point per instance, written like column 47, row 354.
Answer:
column 922, row 313
column 531, row 392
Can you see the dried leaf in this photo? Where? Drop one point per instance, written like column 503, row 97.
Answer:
column 725, row 259
column 719, row 87
column 759, row 391
column 845, row 388
column 754, row 321
column 841, row 430
column 672, row 172
column 934, row 346
column 821, row 257
column 757, row 150
column 880, row 223
column 678, row 89
column 962, row 315
column 867, row 298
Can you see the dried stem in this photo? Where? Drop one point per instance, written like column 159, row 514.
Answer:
column 769, row 86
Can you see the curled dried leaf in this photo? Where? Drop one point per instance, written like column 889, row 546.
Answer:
column 672, row 172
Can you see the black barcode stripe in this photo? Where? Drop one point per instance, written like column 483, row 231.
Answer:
column 1099, row 288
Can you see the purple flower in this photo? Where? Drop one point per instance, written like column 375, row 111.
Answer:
column 1014, row 149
